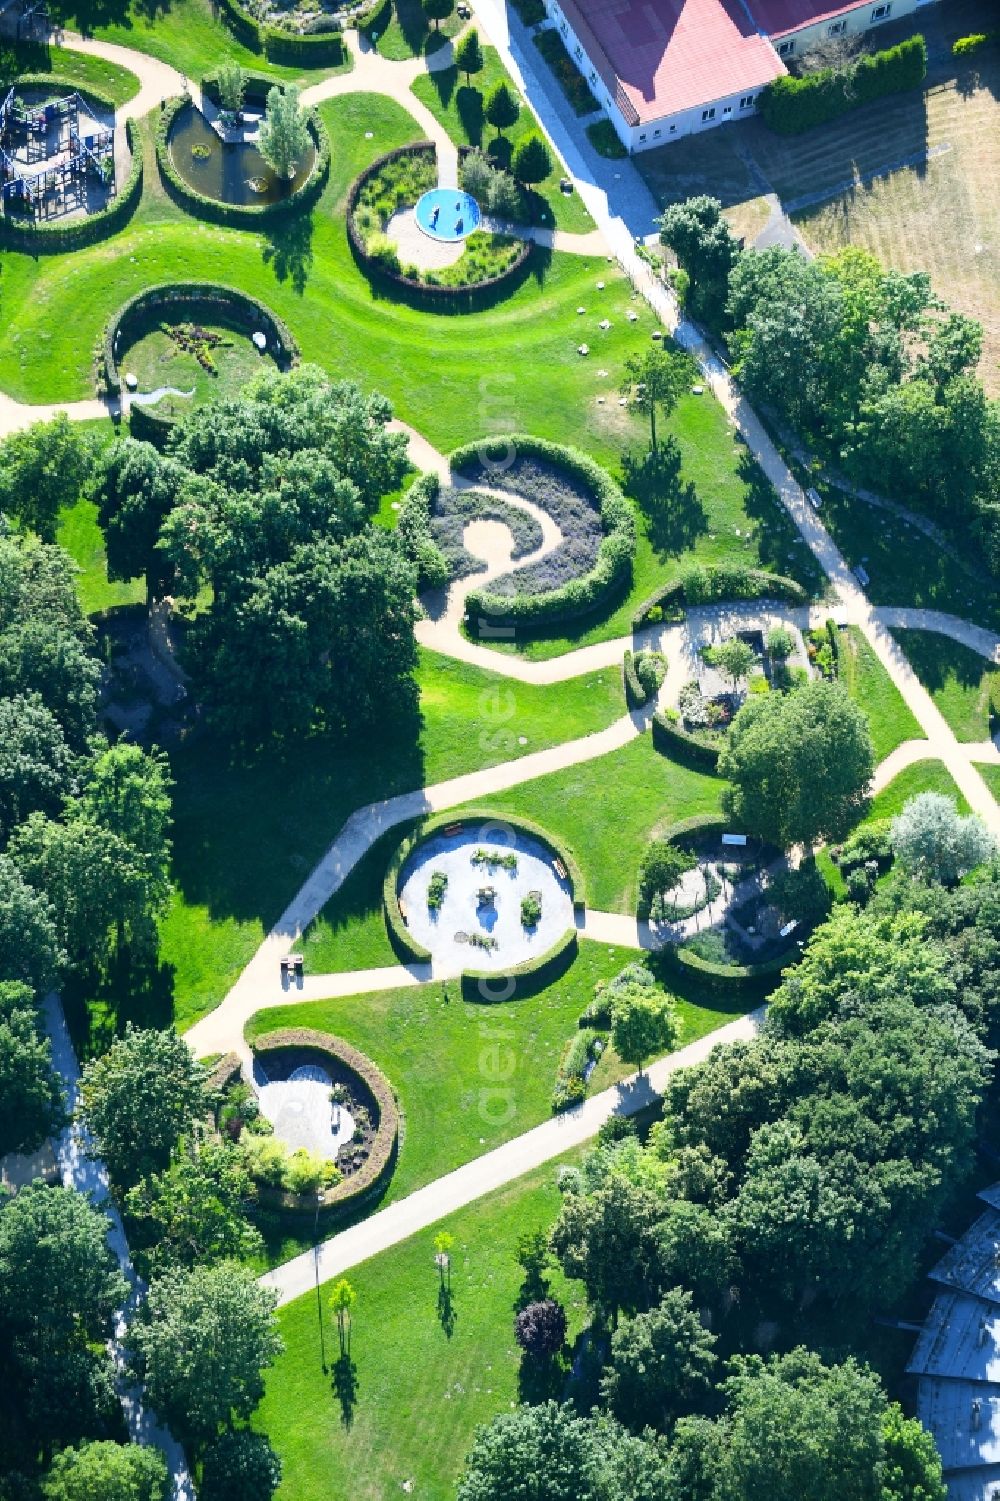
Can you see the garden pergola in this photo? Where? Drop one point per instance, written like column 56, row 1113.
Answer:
column 77, row 154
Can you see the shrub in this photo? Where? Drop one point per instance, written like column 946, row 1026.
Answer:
column 672, row 739
column 570, row 1086
column 598, row 1012
column 791, row 105
column 436, row 888
column 240, row 1466
column 605, row 141
column 531, row 909
column 966, row 45
column 570, row 80
column 700, row 584
column 540, row 1328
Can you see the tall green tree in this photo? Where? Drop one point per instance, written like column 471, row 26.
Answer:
column 699, row 236
column 654, row 383
column 36, row 765
column 608, row 1240
column 438, row 11
column 531, row 162
column 469, row 55
column 661, row 1364
column 544, row 1453
column 934, row 842
column 139, row 1099
column 106, row 1471
column 193, row 1213
column 32, row 1104
column 203, row 1345
column 643, row 1023
column 284, row 136
column 29, row 942
column 232, row 83
column 502, row 109
column 136, row 487
column 799, row 766
column 735, row 659
column 240, row 1466
column 42, row 469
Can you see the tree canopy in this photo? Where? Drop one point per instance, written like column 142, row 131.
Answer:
column 31, row 1097
column 106, row 1471
column 42, row 469
column 799, row 765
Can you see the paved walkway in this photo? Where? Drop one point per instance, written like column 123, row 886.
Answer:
column 89, row 1176
column 485, row 1174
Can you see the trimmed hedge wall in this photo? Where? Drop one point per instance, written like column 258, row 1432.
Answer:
column 611, row 573
column 635, row 693
column 199, row 299
column 325, row 49
column 764, row 585
column 674, row 740
column 436, row 298
column 382, row 1157
column 245, row 215
column 725, row 976
column 399, row 934
column 542, row 968
column 791, row 105
column 48, row 238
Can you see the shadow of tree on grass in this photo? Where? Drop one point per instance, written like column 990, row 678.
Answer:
column 674, row 514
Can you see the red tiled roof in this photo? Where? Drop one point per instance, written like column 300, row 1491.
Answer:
column 778, row 17
column 672, row 55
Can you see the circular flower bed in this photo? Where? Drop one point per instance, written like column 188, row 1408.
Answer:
column 392, row 186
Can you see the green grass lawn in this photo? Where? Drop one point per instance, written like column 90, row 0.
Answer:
column 83, row 539
column 922, row 776
column 184, row 33
column 431, row 1045
column 246, row 836
column 459, row 107
column 991, row 776
column 958, row 679
column 88, row 72
column 607, row 810
column 158, row 359
column 867, row 681
column 420, row 1392
column 904, row 566
column 410, row 34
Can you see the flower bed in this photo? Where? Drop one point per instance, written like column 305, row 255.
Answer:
column 568, row 76
column 247, row 215
column 451, row 513
column 341, row 1058
column 51, row 237
column 594, row 561
column 396, row 181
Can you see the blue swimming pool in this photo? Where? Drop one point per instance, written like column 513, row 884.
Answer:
column 448, row 214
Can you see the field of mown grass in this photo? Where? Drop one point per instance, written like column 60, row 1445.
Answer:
column 867, row 681
column 959, row 680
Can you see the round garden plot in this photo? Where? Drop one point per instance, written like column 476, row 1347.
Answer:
column 232, row 172
column 479, row 902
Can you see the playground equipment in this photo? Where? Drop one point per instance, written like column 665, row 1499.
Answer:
column 65, row 145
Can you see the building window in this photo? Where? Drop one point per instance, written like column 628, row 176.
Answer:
column 656, row 132
column 836, row 28
column 785, row 49
column 728, row 109
column 563, row 27
column 578, row 53
column 708, row 114
column 673, row 129
column 642, row 136
column 881, row 12
column 746, row 101
column 593, row 76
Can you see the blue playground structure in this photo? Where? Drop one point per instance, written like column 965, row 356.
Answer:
column 47, row 156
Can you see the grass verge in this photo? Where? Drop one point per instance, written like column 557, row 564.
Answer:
column 958, row 679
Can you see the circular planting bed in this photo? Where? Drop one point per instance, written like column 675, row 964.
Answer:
column 482, row 895
column 591, row 566
column 229, row 180
column 358, row 1128
column 407, row 230
column 189, row 342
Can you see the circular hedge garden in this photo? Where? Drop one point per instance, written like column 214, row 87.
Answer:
column 550, row 960
column 395, row 182
column 193, row 302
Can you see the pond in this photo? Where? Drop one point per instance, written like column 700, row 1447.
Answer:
column 447, row 214
column 478, row 924
column 235, row 173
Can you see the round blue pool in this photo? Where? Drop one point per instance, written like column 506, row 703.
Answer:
column 447, row 214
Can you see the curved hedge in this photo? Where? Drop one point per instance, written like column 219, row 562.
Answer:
column 437, row 298
column 399, row 934
column 673, row 739
column 542, row 968
column 635, row 694
column 199, row 299
column 246, row 215
column 764, row 585
column 368, row 1177
column 323, row 49
column 695, row 823
column 611, row 573
column 791, row 105
column 726, row 976
column 45, row 238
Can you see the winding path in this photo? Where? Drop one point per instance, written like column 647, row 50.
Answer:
column 617, row 211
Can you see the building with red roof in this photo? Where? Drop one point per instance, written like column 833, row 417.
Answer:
column 665, row 68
